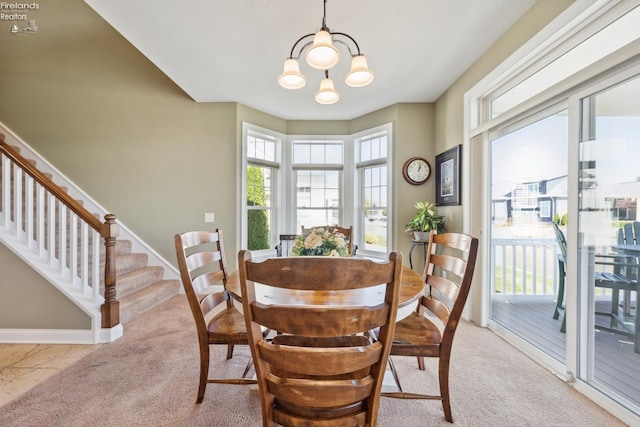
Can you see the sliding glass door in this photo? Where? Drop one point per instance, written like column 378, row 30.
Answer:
column 529, row 194
column 608, row 193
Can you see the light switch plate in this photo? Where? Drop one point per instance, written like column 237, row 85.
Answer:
column 209, row 217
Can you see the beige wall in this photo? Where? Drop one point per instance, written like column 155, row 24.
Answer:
column 27, row 301
column 105, row 116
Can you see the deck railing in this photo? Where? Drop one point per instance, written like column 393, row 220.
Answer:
column 526, row 267
column 58, row 232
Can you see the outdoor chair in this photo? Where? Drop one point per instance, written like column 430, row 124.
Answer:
column 451, row 259
column 202, row 264
column 283, row 248
column 321, row 369
column 617, row 272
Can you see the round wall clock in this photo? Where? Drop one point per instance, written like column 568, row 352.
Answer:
column 416, row 170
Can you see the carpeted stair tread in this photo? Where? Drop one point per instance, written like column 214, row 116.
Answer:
column 137, row 279
column 136, row 303
column 129, row 262
column 123, row 247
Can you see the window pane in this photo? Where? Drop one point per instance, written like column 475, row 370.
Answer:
column 607, row 220
column 375, row 230
column 270, row 151
column 258, row 230
column 334, row 154
column 261, row 148
column 332, row 198
column 301, row 153
column 375, row 220
column 365, row 150
column 317, row 153
column 258, row 203
column 258, row 186
column 251, row 147
column 528, row 190
column 373, row 147
column 332, row 179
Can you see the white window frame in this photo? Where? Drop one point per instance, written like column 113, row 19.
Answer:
column 345, row 143
column 358, row 200
column 276, row 202
column 284, row 192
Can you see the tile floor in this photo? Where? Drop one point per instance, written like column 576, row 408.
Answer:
column 22, row 366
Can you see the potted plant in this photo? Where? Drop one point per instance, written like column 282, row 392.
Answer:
column 425, row 220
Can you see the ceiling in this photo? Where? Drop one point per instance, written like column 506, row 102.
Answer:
column 234, row 50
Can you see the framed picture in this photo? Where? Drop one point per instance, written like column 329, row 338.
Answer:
column 448, row 177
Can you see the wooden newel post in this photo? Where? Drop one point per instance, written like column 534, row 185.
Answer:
column 110, row 309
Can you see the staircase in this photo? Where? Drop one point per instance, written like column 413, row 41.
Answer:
column 143, row 279
column 139, row 286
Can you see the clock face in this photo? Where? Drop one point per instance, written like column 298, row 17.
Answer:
column 416, row 170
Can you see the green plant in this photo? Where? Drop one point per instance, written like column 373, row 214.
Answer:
column 426, row 219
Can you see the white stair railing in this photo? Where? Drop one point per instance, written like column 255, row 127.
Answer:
column 60, row 239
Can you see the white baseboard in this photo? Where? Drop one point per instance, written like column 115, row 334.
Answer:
column 60, row 336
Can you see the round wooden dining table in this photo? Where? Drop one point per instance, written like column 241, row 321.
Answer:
column 411, row 287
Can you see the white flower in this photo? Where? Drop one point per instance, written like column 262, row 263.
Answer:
column 312, row 241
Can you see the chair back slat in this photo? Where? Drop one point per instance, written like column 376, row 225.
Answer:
column 312, row 361
column 628, row 234
column 320, row 321
column 338, row 393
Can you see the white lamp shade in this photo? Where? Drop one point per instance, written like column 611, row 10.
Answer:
column 327, row 94
column 360, row 75
column 322, row 54
column 291, row 78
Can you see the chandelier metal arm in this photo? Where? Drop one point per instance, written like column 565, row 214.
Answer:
column 309, row 43
column 350, row 38
column 302, row 48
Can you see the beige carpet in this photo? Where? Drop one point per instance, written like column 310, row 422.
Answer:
column 149, row 378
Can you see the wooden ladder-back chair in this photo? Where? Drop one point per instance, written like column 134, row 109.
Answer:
column 347, row 232
column 451, row 259
column 202, row 263
column 321, row 368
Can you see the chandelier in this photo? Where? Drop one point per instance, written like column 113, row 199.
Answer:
column 322, row 54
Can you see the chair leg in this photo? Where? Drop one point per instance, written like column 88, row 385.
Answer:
column 443, row 374
column 394, row 373
column 204, row 372
column 561, row 277
column 229, row 351
column 421, row 363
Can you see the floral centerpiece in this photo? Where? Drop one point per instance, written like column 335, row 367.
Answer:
column 320, row 242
